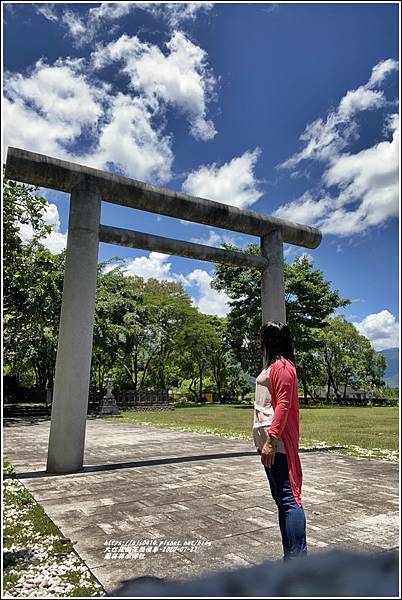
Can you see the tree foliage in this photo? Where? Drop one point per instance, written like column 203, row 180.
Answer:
column 309, row 302
column 21, row 207
column 348, row 358
column 33, row 281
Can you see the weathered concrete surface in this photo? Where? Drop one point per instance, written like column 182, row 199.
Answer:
column 74, row 350
column 146, row 241
column 46, row 171
column 142, row 482
column 273, row 279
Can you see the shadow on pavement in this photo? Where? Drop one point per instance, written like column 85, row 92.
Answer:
column 141, row 463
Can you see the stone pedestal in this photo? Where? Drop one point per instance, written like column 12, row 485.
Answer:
column 109, row 406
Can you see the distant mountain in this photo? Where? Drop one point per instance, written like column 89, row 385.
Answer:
column 391, row 376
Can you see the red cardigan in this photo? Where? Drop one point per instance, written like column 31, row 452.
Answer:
column 285, row 422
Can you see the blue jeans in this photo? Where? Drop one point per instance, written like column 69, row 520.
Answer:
column 292, row 520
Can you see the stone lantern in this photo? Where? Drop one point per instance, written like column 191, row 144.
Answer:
column 109, row 406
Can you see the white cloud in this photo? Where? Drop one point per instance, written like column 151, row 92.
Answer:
column 52, row 107
column 381, row 70
column 215, row 239
column 368, row 192
column 176, row 14
column 83, row 26
column 381, row 329
column 60, row 109
column 56, row 241
column 47, row 11
column 80, row 29
column 60, row 92
column 358, row 100
column 76, row 27
column 156, row 265
column 24, row 128
column 305, row 255
column 110, row 11
column 210, row 302
column 132, row 143
column 360, row 190
column 47, row 109
column 179, row 78
column 232, row 183
column 323, row 140
column 369, row 177
column 305, row 209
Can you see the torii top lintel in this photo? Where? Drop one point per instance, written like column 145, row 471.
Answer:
column 53, row 173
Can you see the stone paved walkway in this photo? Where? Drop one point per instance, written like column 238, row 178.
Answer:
column 142, row 482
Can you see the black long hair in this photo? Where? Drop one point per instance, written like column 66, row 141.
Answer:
column 276, row 341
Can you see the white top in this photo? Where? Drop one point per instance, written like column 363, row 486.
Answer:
column 263, row 411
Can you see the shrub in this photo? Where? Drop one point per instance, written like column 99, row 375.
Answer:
column 249, row 398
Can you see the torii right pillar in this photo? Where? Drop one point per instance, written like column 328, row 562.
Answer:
column 273, row 278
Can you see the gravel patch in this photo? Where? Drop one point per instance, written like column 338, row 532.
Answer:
column 35, row 564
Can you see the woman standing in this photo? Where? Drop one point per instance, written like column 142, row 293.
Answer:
column 276, row 434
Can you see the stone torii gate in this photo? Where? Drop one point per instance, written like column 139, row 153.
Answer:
column 88, row 187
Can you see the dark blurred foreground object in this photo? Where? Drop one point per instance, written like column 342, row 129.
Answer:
column 326, row 574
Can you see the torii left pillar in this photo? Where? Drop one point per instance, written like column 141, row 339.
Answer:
column 74, row 351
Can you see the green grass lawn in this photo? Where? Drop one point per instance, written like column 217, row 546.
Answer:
column 359, row 431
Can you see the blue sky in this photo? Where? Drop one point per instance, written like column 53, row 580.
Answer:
column 286, row 109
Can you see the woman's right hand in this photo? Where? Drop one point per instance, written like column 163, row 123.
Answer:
column 268, row 452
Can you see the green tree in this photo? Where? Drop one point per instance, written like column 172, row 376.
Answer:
column 195, row 340
column 30, row 332
column 20, row 207
column 377, row 368
column 219, row 350
column 225, row 370
column 170, row 310
column 309, row 302
column 118, row 301
column 33, row 280
column 347, row 356
column 137, row 325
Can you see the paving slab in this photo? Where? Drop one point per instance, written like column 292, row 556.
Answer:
column 207, row 494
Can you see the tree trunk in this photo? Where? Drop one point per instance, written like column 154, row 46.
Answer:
column 305, row 390
column 219, row 390
column 216, row 370
column 304, row 384
column 200, row 369
column 135, row 366
column 331, row 378
column 147, row 365
column 191, row 388
column 50, row 378
column 41, row 376
column 335, row 388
